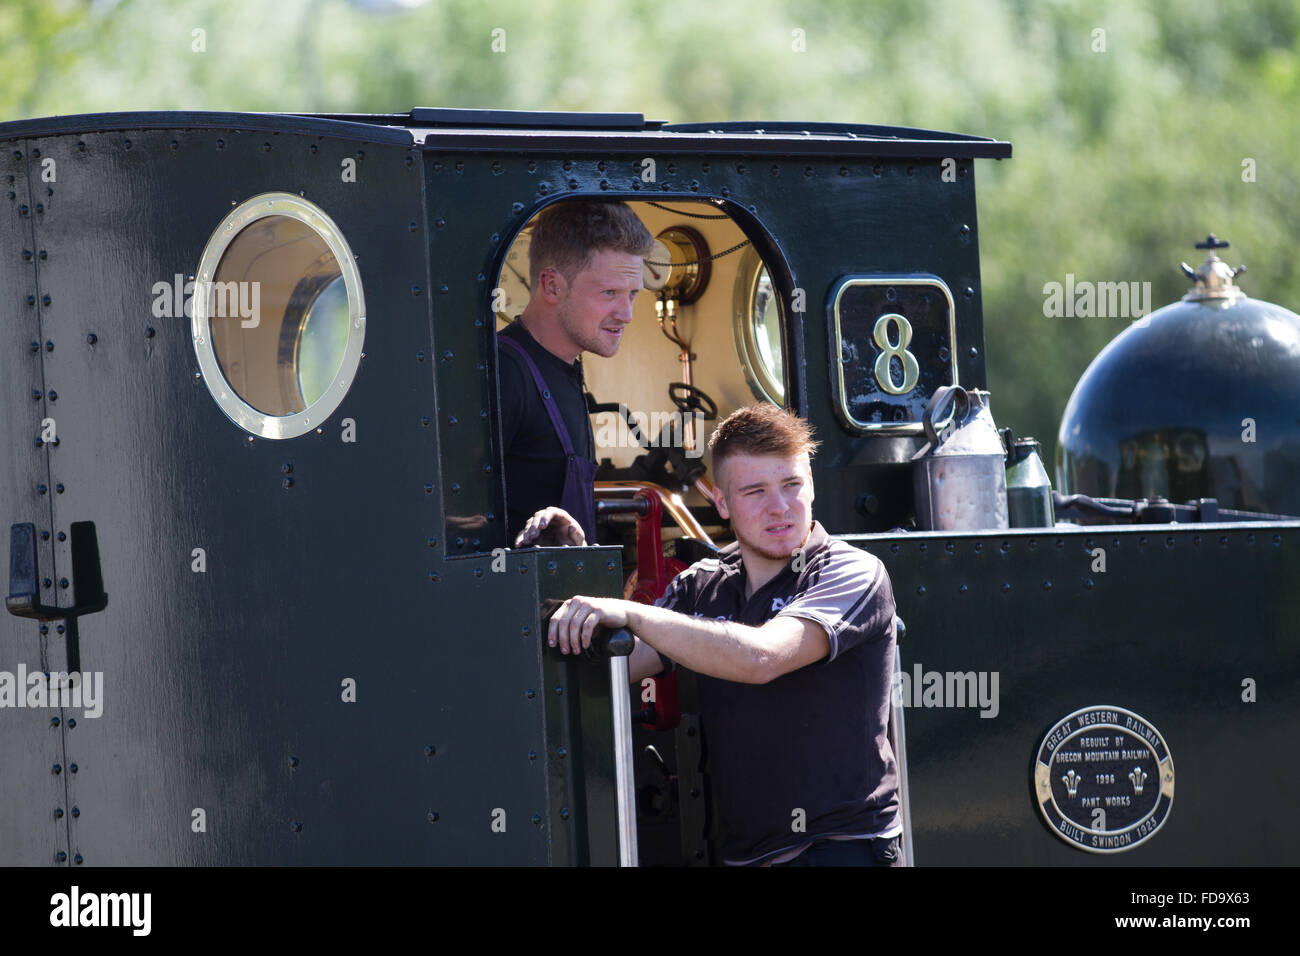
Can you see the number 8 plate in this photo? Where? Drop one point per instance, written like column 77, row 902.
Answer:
column 895, row 340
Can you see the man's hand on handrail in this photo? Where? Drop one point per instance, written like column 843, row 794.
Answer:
column 551, row 527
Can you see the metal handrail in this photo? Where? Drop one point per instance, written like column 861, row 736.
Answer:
column 620, row 701
column 671, row 501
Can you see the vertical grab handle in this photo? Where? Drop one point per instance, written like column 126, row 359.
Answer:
column 898, row 740
column 624, row 786
column 615, row 644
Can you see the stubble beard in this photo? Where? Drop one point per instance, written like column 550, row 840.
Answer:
column 773, row 555
column 580, row 337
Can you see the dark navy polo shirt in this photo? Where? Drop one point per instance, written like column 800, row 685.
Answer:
column 532, row 455
column 810, row 747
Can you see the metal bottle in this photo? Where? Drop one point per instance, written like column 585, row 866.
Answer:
column 1029, row 490
column 959, row 478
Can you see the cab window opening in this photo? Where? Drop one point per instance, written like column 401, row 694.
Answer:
column 708, row 321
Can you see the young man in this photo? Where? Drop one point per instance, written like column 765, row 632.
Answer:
column 792, row 636
column 585, row 268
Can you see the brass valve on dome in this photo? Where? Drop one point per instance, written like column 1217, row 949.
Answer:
column 1214, row 277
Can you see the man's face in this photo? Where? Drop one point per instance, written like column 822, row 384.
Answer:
column 598, row 304
column 769, row 501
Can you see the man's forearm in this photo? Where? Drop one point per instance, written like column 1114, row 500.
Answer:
column 723, row 649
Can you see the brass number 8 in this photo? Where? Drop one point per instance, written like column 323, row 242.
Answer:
column 898, row 350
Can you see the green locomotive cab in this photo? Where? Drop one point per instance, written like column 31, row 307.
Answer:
column 256, row 500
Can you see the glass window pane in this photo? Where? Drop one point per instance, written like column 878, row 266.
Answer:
column 323, row 340
column 270, row 276
column 767, row 333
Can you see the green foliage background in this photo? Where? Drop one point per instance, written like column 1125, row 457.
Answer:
column 1123, row 156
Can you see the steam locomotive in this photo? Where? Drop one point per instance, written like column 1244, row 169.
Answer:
column 263, row 609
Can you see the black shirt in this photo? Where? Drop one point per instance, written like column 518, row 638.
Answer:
column 533, row 457
column 813, row 740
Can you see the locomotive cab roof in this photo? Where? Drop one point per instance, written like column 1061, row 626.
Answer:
column 437, row 127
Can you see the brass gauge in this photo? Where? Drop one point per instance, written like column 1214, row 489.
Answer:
column 678, row 266
column 511, row 293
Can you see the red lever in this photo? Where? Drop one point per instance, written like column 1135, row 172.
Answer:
column 646, row 585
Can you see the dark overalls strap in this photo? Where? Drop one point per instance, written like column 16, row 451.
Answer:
column 579, row 487
column 544, row 390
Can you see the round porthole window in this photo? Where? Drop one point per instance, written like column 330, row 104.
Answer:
column 757, row 325
column 279, row 318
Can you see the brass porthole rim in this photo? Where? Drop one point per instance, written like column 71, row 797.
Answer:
column 759, row 378
column 247, row 417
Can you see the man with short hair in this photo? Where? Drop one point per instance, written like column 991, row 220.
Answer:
column 585, row 267
column 792, row 635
